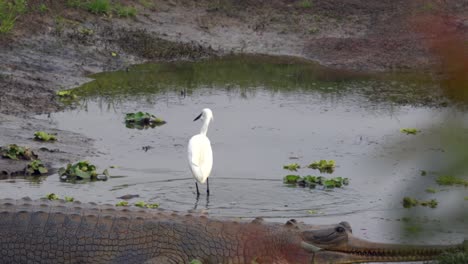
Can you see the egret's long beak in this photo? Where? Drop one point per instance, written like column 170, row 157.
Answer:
column 198, row 117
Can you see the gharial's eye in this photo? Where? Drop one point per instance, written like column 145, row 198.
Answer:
column 340, row 229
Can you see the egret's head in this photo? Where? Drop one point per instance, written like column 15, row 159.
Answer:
column 206, row 114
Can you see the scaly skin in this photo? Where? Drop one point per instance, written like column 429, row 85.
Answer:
column 58, row 232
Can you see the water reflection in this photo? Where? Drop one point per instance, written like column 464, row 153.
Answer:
column 245, row 75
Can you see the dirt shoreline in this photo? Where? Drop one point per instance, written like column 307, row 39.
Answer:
column 57, row 49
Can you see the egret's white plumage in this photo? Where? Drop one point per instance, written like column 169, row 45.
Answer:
column 200, row 155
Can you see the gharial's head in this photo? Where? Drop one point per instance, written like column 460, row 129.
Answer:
column 206, row 114
column 336, row 244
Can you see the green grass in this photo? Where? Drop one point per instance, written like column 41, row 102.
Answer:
column 43, row 8
column 305, row 4
column 99, row 6
column 147, row 3
column 9, row 13
column 125, row 11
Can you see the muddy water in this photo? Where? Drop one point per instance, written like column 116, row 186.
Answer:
column 268, row 113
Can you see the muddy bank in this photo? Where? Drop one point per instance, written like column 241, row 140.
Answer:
column 56, row 49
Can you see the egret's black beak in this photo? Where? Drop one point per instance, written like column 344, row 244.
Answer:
column 198, row 117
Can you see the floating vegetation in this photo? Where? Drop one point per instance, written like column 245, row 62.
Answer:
column 409, row 131
column 66, row 95
column 292, row 167
column 314, row 181
column 323, row 166
column 451, row 180
column 195, row 261
column 291, row 179
column 466, row 198
column 146, row 205
column 16, row 152
column 141, row 120
column 431, row 190
column 423, row 173
column 52, row 196
column 122, row 203
column 409, row 202
column 36, row 167
column 140, row 204
column 82, row 170
column 43, row 136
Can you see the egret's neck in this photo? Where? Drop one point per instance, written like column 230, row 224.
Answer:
column 204, row 127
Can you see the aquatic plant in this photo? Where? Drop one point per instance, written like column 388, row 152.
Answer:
column 431, row 190
column 451, row 180
column 292, row 167
column 423, row 173
column 291, row 179
column 431, row 203
column 68, row 199
column 195, row 261
column 16, row 152
column 313, row 181
column 409, row 131
column 36, row 167
column 82, row 170
column 141, row 120
column 122, row 203
column 409, row 202
column 323, row 166
column 51, row 196
column 143, row 204
column 43, row 136
column 66, row 96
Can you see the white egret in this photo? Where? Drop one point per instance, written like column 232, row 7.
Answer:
column 200, row 155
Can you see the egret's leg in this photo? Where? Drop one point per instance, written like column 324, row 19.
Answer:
column 198, row 192
column 207, row 187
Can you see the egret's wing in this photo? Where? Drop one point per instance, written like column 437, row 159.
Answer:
column 200, row 157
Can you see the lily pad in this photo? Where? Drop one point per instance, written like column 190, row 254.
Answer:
column 323, row 166
column 142, row 120
column 16, row 152
column 36, row 167
column 82, row 170
column 43, row 136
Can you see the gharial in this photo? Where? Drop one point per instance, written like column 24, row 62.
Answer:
column 45, row 231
